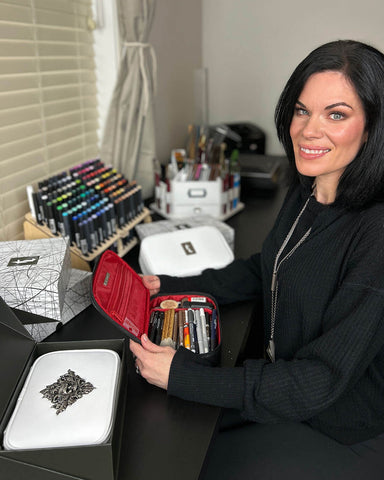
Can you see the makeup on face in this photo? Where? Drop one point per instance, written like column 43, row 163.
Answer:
column 327, row 129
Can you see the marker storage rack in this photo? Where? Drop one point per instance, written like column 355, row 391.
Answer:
column 93, row 206
column 122, row 242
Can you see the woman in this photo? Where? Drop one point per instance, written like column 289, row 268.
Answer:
column 317, row 398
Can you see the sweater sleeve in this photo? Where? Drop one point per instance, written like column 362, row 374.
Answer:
column 334, row 378
column 238, row 281
column 298, row 389
column 192, row 379
column 330, row 368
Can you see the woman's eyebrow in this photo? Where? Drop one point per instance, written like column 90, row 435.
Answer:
column 329, row 107
column 342, row 104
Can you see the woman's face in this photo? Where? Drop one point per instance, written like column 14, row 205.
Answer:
column 327, row 128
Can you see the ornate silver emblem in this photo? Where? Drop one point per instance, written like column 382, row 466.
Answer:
column 66, row 391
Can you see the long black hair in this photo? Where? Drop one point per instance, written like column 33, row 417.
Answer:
column 363, row 179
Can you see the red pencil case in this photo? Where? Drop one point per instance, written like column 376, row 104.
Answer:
column 189, row 319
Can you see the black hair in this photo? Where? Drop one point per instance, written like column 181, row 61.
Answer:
column 363, row 179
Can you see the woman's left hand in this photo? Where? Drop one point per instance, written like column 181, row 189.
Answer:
column 152, row 361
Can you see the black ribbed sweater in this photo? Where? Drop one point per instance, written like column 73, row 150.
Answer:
column 329, row 330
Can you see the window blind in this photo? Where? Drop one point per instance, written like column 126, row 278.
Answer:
column 48, row 98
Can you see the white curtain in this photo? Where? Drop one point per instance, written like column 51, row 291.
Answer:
column 129, row 139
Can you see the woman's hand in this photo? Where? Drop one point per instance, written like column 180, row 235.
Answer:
column 152, row 282
column 152, row 361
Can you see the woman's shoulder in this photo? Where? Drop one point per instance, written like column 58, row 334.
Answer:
column 373, row 214
column 367, row 224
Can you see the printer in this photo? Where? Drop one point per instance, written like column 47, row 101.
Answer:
column 252, row 138
column 257, row 170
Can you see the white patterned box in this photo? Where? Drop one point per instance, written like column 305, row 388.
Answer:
column 77, row 298
column 78, row 294
column 34, row 275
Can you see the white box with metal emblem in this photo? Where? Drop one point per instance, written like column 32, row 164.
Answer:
column 68, row 399
column 184, row 252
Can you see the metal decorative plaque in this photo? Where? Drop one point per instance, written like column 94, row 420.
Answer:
column 66, row 390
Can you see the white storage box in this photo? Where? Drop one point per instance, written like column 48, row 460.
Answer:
column 18, row 351
column 45, row 417
column 150, row 228
column 34, row 275
column 193, row 198
column 184, row 252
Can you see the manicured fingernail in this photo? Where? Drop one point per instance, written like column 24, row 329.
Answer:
column 144, row 337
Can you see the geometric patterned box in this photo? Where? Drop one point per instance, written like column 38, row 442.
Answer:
column 34, row 275
column 78, row 294
column 77, row 298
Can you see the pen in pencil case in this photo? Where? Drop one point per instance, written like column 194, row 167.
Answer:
column 186, row 334
column 152, row 326
column 208, row 329
column 204, row 330
column 159, row 328
column 199, row 332
column 192, row 329
column 181, row 328
column 175, row 331
column 166, row 336
column 214, row 330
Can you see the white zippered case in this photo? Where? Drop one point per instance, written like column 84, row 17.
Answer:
column 184, row 252
column 36, row 423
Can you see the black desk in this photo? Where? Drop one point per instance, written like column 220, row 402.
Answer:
column 165, row 437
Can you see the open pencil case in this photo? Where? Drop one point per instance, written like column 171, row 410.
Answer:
column 185, row 319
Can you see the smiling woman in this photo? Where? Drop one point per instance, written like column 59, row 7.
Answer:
column 312, row 406
column 353, row 70
column 327, row 130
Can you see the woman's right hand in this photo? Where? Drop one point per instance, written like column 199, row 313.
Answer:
column 152, row 282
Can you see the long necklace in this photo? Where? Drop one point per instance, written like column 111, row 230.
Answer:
column 271, row 351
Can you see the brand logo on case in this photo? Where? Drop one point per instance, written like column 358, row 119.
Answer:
column 188, row 248
column 106, row 279
column 19, row 261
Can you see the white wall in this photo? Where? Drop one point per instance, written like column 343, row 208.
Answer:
column 177, row 40
column 250, row 48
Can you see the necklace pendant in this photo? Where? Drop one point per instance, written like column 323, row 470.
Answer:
column 271, row 350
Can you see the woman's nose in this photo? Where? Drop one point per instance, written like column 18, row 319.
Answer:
column 313, row 127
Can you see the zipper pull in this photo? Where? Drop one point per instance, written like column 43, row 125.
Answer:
column 271, row 350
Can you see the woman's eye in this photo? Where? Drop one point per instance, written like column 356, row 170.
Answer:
column 337, row 116
column 301, row 111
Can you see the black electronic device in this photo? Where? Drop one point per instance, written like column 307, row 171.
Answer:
column 252, row 137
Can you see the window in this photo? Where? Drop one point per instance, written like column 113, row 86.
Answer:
column 48, row 98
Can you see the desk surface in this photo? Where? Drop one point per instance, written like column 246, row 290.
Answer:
column 165, row 437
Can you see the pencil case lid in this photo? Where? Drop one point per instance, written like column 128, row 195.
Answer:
column 118, row 294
